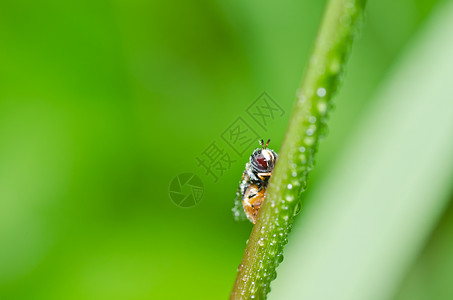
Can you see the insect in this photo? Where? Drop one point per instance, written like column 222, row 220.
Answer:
column 254, row 181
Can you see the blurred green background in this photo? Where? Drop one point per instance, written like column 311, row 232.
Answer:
column 103, row 103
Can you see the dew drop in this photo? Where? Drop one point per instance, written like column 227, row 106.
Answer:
column 289, row 186
column 294, row 174
column 312, row 119
column 300, row 95
column 289, row 198
column 240, row 267
column 273, row 276
column 303, row 159
column 321, row 92
column 309, row 141
column 334, row 66
column 302, row 149
column 297, row 209
column 322, row 107
column 261, row 242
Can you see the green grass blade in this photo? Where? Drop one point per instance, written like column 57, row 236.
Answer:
column 296, row 157
column 372, row 213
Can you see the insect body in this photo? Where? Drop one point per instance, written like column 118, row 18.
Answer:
column 253, row 185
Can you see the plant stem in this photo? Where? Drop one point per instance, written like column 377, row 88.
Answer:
column 307, row 126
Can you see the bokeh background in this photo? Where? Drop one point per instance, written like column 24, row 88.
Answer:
column 103, row 103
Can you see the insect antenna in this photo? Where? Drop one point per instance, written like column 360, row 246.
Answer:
column 268, row 141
